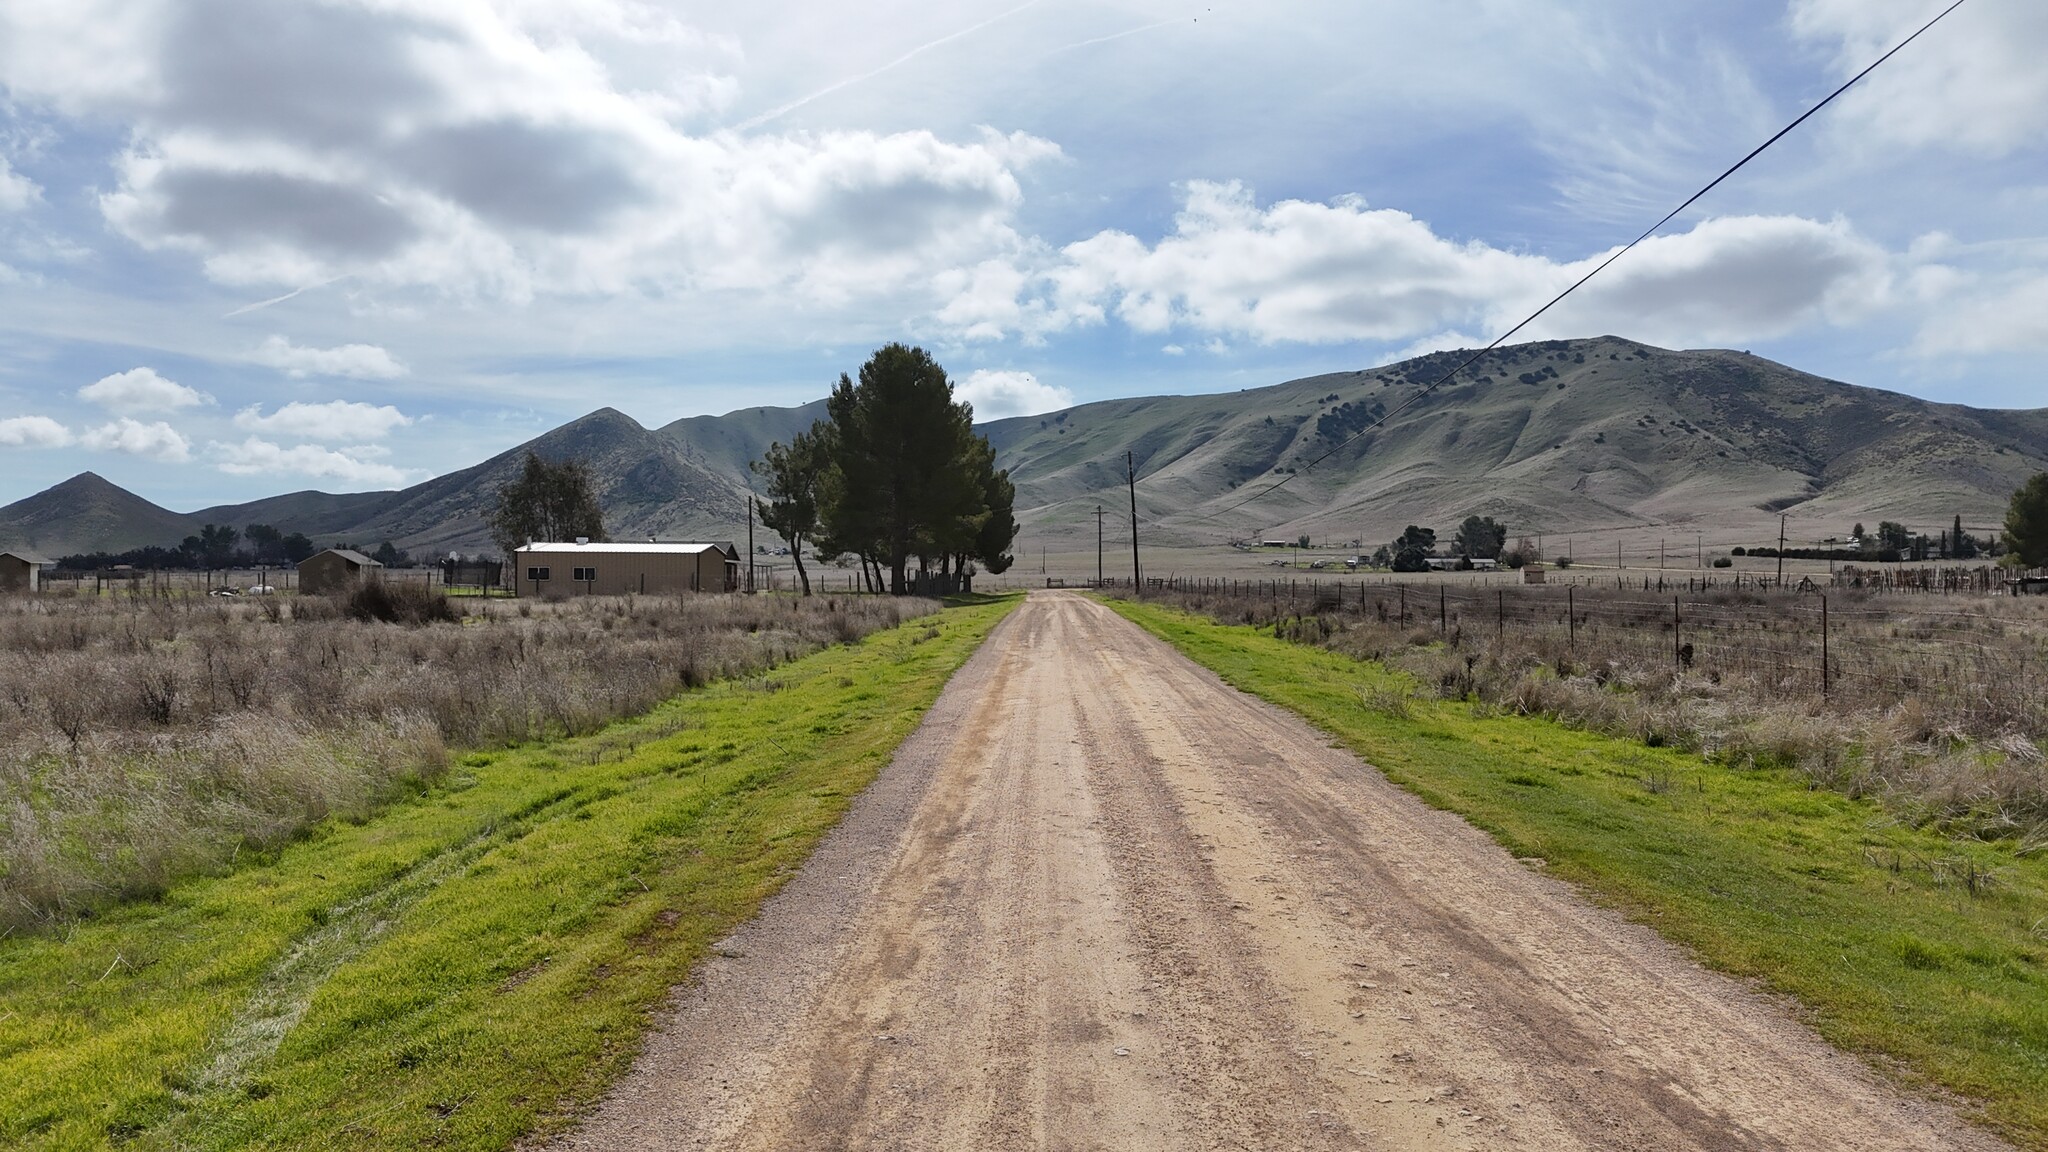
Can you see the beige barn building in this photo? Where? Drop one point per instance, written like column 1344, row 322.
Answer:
column 616, row 569
column 335, row 570
column 21, row 572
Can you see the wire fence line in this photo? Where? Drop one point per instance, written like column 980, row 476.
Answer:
column 1980, row 666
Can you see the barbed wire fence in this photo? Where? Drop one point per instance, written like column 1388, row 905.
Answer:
column 1976, row 663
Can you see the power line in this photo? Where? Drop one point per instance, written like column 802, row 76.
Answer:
column 1577, row 284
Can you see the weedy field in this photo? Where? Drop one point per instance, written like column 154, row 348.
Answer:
column 1901, row 937
column 146, row 739
column 1938, row 706
column 480, row 958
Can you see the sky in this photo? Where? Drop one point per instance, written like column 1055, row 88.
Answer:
column 250, row 247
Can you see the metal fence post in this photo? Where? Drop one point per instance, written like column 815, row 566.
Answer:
column 1825, row 686
column 1677, row 626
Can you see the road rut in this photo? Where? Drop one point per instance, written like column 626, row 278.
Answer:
column 1101, row 900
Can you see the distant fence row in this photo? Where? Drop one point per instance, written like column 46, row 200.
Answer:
column 1985, row 660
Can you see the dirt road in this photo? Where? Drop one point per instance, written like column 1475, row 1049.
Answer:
column 1100, row 900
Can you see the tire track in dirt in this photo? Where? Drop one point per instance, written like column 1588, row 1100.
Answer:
column 1101, row 900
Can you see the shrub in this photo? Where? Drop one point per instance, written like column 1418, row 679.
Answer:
column 398, row 602
column 1723, row 562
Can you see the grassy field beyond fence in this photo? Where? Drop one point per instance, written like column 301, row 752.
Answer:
column 473, row 963
column 1902, row 941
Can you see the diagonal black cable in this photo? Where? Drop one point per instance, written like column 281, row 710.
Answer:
column 1576, row 284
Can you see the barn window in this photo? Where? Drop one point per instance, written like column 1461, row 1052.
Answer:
column 586, row 573
column 536, row 573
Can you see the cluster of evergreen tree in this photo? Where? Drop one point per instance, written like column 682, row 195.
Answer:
column 1411, row 550
column 1481, row 538
column 896, row 475
column 2026, row 523
column 550, row 502
column 216, row 546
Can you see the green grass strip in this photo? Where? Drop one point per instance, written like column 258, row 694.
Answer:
column 1871, row 925
column 474, row 963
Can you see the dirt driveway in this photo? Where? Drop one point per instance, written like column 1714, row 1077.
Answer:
column 1100, row 900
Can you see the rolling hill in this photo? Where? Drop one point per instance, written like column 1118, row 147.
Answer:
column 1554, row 437
column 1548, row 437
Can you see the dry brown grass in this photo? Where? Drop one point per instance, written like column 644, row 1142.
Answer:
column 1936, row 705
column 142, row 740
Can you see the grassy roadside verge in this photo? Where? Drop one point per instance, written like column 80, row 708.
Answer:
column 474, row 963
column 1902, row 943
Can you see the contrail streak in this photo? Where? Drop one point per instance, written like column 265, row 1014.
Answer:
column 261, row 304
column 1119, row 35
column 786, row 109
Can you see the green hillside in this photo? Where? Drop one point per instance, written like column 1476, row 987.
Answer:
column 1551, row 437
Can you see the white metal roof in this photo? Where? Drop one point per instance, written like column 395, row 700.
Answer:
column 643, row 548
column 353, row 557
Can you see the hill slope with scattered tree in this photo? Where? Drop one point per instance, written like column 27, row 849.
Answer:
column 1552, row 437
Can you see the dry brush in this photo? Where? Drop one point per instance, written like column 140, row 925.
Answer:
column 146, row 739
column 1936, row 706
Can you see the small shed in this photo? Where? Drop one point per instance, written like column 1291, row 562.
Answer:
column 614, row 569
column 1532, row 574
column 334, row 570
column 21, row 571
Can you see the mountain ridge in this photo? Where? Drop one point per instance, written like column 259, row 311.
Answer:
column 1549, row 436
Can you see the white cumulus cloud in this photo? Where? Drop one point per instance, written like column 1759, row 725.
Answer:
column 1344, row 271
column 2002, row 312
column 1974, row 83
column 157, row 440
column 485, row 150
column 999, row 393
column 354, row 361
column 33, row 432
column 255, row 456
column 17, row 192
column 141, row 390
column 340, row 421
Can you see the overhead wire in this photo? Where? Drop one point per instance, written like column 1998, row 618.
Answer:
column 1474, row 358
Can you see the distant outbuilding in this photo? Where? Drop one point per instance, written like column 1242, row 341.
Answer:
column 22, row 572
column 586, row 569
column 335, row 570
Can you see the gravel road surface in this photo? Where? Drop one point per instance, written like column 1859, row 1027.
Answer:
column 1102, row 901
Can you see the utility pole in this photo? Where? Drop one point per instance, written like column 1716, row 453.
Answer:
column 1617, row 554
column 1781, row 549
column 750, row 543
column 1131, row 470
column 1660, row 553
column 1699, row 541
column 1098, row 545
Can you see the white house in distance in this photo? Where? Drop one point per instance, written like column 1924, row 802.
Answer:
column 614, row 569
